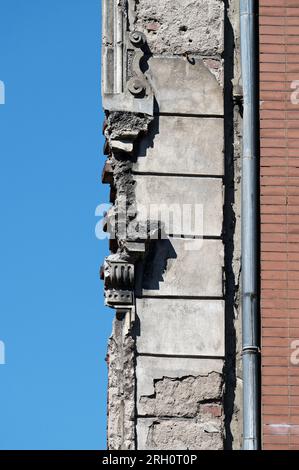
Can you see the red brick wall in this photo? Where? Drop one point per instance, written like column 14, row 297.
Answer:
column 279, row 169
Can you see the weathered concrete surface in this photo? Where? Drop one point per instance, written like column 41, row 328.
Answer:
column 184, row 434
column 186, row 71
column 121, row 387
column 182, row 413
column 180, row 398
column 151, row 368
column 124, row 128
column 182, row 145
column 196, row 204
column 173, row 268
column 180, row 26
column 167, row 326
column 181, row 87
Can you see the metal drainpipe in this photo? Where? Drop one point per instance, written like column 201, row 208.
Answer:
column 249, row 228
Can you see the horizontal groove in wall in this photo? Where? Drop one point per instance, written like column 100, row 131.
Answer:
column 194, row 237
column 179, row 356
column 170, row 418
column 205, row 116
column 178, row 175
column 183, row 297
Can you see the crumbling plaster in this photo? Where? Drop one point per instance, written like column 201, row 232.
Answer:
column 202, row 409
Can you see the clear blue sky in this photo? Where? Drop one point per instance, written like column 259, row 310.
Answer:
column 52, row 320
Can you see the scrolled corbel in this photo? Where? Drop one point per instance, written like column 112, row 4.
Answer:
column 136, row 86
column 137, row 38
column 124, row 86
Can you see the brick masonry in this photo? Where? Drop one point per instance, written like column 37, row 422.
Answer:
column 279, row 189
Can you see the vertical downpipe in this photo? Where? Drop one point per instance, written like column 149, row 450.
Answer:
column 249, row 228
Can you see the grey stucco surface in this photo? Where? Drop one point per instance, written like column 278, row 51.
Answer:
column 173, row 377
column 188, row 206
column 182, row 87
column 182, row 145
column 168, row 326
column 174, row 269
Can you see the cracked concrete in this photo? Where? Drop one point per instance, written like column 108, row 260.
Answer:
column 194, row 26
column 191, row 67
column 174, row 434
column 126, row 125
column 122, row 130
column 181, row 397
column 185, row 412
column 121, row 387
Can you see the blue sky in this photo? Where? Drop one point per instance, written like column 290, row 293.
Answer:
column 52, row 320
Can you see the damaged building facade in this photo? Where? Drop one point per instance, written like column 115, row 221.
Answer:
column 170, row 89
column 176, row 122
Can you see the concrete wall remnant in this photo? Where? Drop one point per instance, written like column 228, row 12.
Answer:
column 194, row 26
column 172, row 129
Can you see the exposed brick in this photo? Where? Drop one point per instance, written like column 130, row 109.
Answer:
column 267, row 446
column 275, row 361
column 295, row 409
column 272, row 20
column 269, row 419
column 275, row 400
column 275, row 31
column 153, row 26
column 294, row 400
column 274, row 275
column 274, row 313
column 273, row 371
column 271, row 11
column 269, row 39
column 276, row 439
column 214, row 410
column 273, row 380
column 294, row 419
column 279, row 215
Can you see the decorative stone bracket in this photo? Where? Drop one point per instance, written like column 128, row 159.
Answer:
column 124, row 86
column 118, row 279
column 118, row 274
column 128, row 101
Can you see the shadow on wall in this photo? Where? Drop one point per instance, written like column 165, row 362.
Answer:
column 148, row 140
column 155, row 265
